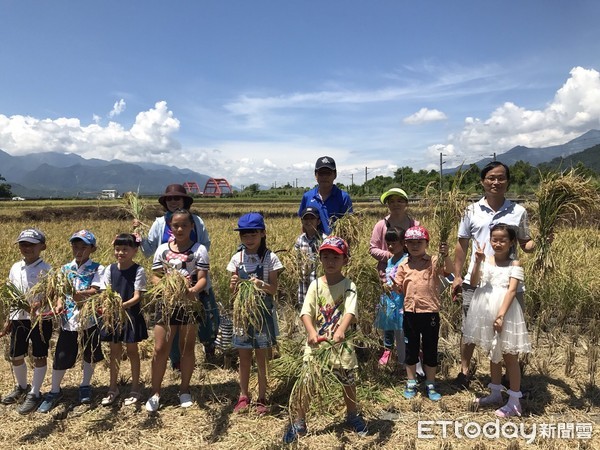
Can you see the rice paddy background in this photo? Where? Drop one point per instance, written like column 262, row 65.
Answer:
column 560, row 376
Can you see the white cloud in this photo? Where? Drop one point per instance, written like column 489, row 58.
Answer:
column 424, row 115
column 152, row 132
column 574, row 110
column 118, row 108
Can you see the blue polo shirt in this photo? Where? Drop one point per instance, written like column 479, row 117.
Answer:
column 337, row 204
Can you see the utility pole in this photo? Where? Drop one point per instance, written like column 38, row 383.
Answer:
column 441, row 175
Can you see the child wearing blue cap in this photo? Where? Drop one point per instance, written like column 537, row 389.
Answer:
column 307, row 250
column 82, row 272
column 24, row 275
column 257, row 263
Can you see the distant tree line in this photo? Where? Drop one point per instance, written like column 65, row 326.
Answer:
column 5, row 191
column 524, row 181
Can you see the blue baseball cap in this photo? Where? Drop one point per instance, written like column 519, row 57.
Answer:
column 85, row 236
column 251, row 221
column 31, row 235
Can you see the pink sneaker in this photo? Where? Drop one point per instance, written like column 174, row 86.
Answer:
column 385, row 357
column 242, row 404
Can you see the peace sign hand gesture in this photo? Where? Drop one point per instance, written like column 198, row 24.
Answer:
column 479, row 253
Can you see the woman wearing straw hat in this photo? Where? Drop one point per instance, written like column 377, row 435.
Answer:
column 174, row 198
column 396, row 200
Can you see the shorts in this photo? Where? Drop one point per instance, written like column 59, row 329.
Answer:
column 67, row 348
column 345, row 376
column 178, row 317
column 252, row 338
column 21, row 334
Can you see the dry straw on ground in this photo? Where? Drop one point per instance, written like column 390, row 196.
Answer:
column 564, row 342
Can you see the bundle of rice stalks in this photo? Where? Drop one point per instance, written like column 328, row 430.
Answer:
column 449, row 210
column 171, row 295
column 134, row 205
column 107, row 305
column 54, row 286
column 561, row 197
column 248, row 305
column 316, row 378
column 11, row 298
column 349, row 228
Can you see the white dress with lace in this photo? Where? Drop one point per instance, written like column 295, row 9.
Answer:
column 486, row 302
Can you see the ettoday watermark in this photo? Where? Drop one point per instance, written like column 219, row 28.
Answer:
column 430, row 429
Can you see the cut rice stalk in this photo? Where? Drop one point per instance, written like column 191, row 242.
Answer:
column 171, row 295
column 561, row 197
column 134, row 205
column 248, row 305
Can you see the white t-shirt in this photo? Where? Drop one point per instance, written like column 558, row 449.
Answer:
column 188, row 262
column 478, row 220
column 248, row 262
column 24, row 277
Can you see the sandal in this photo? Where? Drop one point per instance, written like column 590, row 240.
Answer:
column 133, row 398
column 509, row 411
column 110, row 398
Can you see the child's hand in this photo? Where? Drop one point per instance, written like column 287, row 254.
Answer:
column 6, row 328
column 258, row 282
column 136, row 223
column 191, row 294
column 479, row 253
column 78, row 297
column 313, row 338
column 34, row 307
column 498, row 323
column 338, row 336
column 233, row 282
column 58, row 309
column 444, row 249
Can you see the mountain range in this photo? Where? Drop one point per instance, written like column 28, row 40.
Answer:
column 536, row 156
column 54, row 174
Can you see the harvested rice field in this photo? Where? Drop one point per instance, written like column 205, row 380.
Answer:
column 561, row 404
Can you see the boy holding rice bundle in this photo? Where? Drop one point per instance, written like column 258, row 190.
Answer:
column 23, row 324
column 329, row 310
column 81, row 272
column 307, row 250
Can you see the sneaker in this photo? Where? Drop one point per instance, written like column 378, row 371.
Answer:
column 85, row 395
column 50, row 401
column 295, row 430
column 261, row 407
column 15, row 395
column 358, row 424
column 462, row 381
column 153, row 403
column 185, row 400
column 410, row 391
column 30, row 404
column 433, row 395
column 242, row 404
column 385, row 357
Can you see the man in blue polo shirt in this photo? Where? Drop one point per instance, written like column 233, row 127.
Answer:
column 331, row 201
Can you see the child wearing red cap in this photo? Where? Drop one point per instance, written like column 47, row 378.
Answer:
column 328, row 312
column 418, row 279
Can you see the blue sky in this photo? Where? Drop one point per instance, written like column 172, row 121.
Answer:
column 256, row 91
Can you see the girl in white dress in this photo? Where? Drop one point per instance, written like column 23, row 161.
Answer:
column 495, row 320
